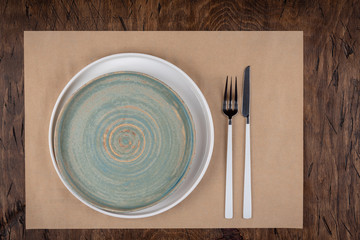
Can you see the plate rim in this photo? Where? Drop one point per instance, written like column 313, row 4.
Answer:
column 190, row 81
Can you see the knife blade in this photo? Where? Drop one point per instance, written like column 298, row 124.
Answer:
column 246, row 95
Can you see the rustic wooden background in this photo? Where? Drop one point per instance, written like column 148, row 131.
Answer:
column 331, row 101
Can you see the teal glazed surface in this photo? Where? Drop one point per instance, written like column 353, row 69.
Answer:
column 124, row 141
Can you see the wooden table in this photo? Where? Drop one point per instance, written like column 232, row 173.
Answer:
column 331, row 101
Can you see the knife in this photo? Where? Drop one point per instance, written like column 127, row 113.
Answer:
column 247, row 169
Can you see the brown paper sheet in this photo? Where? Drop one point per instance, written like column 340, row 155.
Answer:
column 276, row 59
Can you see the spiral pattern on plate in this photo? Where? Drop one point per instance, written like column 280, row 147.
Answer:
column 124, row 141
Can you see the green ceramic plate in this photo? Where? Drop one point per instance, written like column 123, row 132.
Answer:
column 124, row 141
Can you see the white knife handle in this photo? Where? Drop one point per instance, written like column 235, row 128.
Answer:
column 229, row 178
column 247, row 176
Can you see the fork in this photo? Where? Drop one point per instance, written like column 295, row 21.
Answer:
column 229, row 112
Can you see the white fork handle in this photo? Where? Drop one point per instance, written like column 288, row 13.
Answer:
column 229, row 178
column 247, row 176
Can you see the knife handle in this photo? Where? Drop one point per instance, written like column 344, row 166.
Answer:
column 229, row 178
column 247, row 176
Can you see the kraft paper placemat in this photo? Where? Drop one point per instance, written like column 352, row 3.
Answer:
column 276, row 60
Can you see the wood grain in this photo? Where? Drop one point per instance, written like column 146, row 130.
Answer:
column 331, row 101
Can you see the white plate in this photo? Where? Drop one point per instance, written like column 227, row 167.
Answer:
column 187, row 90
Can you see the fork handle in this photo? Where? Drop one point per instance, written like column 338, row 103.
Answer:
column 229, row 178
column 247, row 176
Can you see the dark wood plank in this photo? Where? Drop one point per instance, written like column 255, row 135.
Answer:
column 12, row 181
column 331, row 101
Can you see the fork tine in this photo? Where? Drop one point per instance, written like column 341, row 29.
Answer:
column 230, row 98
column 236, row 95
column 225, row 94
